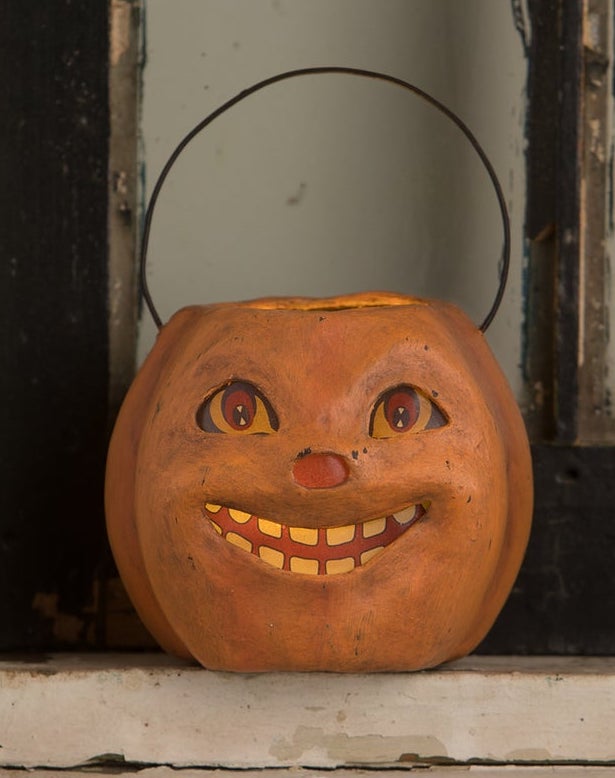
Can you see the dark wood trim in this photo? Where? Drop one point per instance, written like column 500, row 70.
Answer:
column 54, row 352
column 53, row 304
column 126, row 20
column 568, row 227
column 554, row 219
column 596, row 417
column 564, row 599
column 540, row 217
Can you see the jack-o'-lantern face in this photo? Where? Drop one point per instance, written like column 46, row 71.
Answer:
column 239, row 408
column 338, row 485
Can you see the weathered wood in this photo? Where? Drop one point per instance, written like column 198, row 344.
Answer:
column 67, row 711
column 596, row 423
column 53, row 310
column 469, row 771
column 542, row 47
column 568, row 222
column 564, row 599
column 54, row 351
column 124, row 78
column 567, row 228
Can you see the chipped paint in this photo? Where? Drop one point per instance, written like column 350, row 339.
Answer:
column 151, row 708
column 341, row 748
column 522, row 24
column 121, row 30
column 592, row 30
column 124, row 77
column 596, row 139
column 595, row 357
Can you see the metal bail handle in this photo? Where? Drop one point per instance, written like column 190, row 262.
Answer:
column 505, row 262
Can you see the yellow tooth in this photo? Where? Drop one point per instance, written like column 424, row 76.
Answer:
column 271, row 528
column 426, row 504
column 241, row 517
column 271, row 556
column 238, row 541
column 405, row 516
column 367, row 555
column 374, row 527
column 305, row 535
column 338, row 535
column 217, row 527
column 307, row 566
column 334, row 566
column 212, row 508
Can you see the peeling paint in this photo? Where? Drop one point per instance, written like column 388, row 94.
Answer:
column 124, row 74
column 120, row 34
column 341, row 748
column 595, row 355
column 596, row 134
column 155, row 710
column 592, row 31
column 522, row 25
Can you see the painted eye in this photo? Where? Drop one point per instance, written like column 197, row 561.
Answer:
column 237, row 409
column 404, row 409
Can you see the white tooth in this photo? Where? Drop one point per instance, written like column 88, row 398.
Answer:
column 271, row 556
column 406, row 516
column 271, row 528
column 241, row 517
column 238, row 541
column 374, row 527
column 338, row 535
column 306, row 535
column 367, row 555
column 305, row 566
column 336, row 566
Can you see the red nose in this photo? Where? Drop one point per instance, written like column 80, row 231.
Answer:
column 319, row 471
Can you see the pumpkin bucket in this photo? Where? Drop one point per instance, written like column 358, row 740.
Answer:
column 357, row 497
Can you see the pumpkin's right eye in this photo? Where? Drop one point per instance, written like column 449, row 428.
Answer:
column 404, row 409
column 237, row 409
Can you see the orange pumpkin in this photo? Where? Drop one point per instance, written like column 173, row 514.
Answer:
column 339, row 484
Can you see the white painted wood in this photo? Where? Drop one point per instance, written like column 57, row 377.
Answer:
column 453, row 771
column 151, row 709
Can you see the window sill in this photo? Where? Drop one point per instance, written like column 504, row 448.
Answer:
column 69, row 710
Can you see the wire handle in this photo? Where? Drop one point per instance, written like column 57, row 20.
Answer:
column 505, row 262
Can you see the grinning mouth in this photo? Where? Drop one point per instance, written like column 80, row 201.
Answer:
column 310, row 550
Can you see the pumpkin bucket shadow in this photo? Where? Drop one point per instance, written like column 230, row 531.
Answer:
column 355, row 497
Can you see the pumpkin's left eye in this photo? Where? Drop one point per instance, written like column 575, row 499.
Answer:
column 404, row 409
column 237, row 409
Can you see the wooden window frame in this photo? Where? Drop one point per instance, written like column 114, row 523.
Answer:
column 69, row 173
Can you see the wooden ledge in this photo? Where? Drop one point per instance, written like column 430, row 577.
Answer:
column 69, row 710
column 451, row 771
